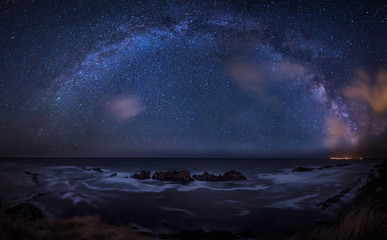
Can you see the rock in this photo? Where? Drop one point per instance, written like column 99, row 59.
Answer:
column 371, row 173
column 231, row 175
column 126, row 177
column 302, row 169
column 96, row 169
column 34, row 178
column 207, row 177
column 173, row 175
column 25, row 211
column 325, row 167
column 347, row 190
column 334, row 199
column 91, row 169
column 342, row 164
column 113, row 175
column 142, row 175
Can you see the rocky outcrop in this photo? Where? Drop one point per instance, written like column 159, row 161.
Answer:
column 91, row 169
column 34, row 178
column 343, row 164
column 25, row 211
column 113, row 175
column 302, row 169
column 172, row 175
column 207, row 177
column 142, row 175
column 334, row 199
column 325, row 167
column 231, row 175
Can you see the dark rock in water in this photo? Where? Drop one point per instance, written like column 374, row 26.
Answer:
column 342, row 164
column 96, row 169
column 231, row 175
column 371, row 173
column 207, row 177
column 25, row 211
column 325, row 167
column 347, row 190
column 34, row 178
column 142, row 175
column 302, row 169
column 126, row 177
column 173, row 175
column 113, row 175
column 91, row 169
column 334, row 199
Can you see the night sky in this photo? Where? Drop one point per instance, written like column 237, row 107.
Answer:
column 185, row 78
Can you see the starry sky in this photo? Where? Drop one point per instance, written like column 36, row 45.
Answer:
column 155, row 78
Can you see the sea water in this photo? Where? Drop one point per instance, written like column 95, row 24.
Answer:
column 272, row 195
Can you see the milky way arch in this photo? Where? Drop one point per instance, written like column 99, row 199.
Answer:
column 193, row 78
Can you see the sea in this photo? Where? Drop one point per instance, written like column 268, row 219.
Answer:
column 273, row 202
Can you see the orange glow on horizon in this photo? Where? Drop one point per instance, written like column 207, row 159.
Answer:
column 346, row 158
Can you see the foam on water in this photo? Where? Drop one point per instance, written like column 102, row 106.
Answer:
column 177, row 210
column 280, row 188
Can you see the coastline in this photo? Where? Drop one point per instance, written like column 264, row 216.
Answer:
column 266, row 220
column 363, row 217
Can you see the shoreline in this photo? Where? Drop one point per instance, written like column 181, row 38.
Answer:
column 281, row 217
column 363, row 217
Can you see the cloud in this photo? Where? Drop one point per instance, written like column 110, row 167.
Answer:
column 338, row 134
column 373, row 92
column 335, row 133
column 124, row 108
column 253, row 75
column 257, row 78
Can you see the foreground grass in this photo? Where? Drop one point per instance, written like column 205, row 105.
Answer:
column 77, row 228
column 366, row 221
column 365, row 218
